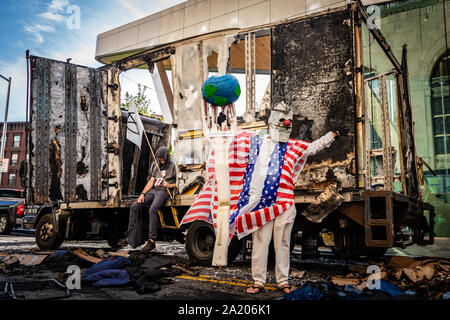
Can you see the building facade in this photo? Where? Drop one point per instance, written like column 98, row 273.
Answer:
column 15, row 152
column 423, row 26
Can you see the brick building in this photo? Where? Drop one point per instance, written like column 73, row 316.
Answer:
column 15, row 152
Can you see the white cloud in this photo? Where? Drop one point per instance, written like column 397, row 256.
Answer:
column 80, row 46
column 58, row 5
column 36, row 31
column 52, row 16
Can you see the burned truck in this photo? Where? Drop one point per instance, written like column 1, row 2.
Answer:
column 358, row 197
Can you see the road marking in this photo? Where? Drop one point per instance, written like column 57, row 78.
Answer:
column 234, row 282
column 238, row 280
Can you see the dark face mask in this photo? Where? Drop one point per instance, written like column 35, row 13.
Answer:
column 163, row 153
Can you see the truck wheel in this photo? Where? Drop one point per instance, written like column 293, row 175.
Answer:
column 375, row 252
column 5, row 224
column 200, row 239
column 46, row 237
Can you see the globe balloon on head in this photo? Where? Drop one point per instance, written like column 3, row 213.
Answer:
column 221, row 90
column 219, row 94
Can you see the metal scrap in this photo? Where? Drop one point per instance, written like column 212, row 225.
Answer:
column 329, row 200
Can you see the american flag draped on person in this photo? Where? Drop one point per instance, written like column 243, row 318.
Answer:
column 257, row 197
column 263, row 171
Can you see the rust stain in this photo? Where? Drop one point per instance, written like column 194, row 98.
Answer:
column 83, row 104
column 55, row 170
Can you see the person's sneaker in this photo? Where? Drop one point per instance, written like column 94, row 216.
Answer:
column 149, row 246
column 122, row 243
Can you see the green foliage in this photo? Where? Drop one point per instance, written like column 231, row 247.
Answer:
column 141, row 102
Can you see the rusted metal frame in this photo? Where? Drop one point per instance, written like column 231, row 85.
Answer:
column 104, row 139
column 113, row 141
column 388, row 222
column 409, row 120
column 95, row 127
column 407, row 143
column 28, row 134
column 401, row 131
column 42, row 131
column 379, row 37
column 367, row 156
column 250, row 70
column 353, row 210
column 379, row 75
column 70, row 157
column 359, row 99
column 387, row 148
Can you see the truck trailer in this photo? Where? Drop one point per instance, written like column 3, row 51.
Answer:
column 358, row 197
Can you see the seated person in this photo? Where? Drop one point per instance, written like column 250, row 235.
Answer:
column 155, row 194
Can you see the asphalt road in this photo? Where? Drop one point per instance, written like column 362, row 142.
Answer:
column 227, row 283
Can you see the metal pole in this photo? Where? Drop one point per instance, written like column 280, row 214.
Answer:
column 5, row 122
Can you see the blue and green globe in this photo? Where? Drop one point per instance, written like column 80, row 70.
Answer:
column 222, row 90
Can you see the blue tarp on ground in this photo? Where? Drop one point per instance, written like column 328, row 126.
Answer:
column 306, row 292
column 392, row 289
column 113, row 277
column 347, row 292
column 116, row 262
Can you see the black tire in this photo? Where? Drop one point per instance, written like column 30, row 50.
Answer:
column 376, row 252
column 46, row 237
column 5, row 224
column 200, row 239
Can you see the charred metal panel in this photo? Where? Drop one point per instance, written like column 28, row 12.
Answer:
column 312, row 72
column 83, row 156
column 40, row 98
column 68, row 132
column 96, row 126
column 114, row 142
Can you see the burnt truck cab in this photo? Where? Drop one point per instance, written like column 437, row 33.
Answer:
column 356, row 197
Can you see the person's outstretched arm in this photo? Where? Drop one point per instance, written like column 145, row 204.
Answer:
column 326, row 140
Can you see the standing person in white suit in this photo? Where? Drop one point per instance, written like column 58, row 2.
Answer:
column 262, row 171
column 295, row 154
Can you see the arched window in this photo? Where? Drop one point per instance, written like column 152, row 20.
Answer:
column 440, row 105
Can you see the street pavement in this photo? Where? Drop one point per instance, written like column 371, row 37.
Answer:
column 227, row 283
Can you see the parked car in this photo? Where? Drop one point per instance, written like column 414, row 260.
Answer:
column 12, row 207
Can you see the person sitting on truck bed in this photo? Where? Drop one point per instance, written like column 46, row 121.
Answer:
column 155, row 194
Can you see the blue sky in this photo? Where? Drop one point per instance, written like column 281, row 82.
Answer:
column 43, row 28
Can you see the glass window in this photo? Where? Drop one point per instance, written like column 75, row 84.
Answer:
column 14, row 158
column 12, row 179
column 440, row 106
column 16, row 143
